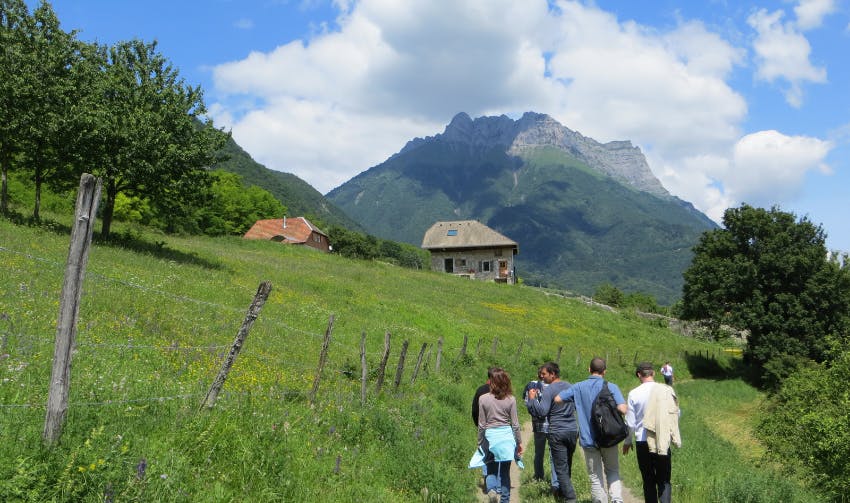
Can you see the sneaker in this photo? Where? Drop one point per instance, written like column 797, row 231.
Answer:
column 492, row 496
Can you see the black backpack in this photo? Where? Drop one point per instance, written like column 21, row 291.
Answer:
column 609, row 427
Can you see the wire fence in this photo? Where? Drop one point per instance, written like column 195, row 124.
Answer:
column 425, row 355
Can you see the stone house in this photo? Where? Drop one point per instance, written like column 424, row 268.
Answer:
column 471, row 249
column 296, row 230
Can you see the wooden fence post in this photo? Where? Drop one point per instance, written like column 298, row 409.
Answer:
column 88, row 197
column 383, row 366
column 400, row 368
column 558, row 358
column 427, row 358
column 418, row 362
column 323, row 357
column 439, row 355
column 363, row 370
column 253, row 311
column 518, row 352
column 495, row 346
column 478, row 348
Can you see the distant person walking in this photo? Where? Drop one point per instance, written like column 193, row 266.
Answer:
column 599, row 460
column 667, row 372
column 563, row 428
column 653, row 419
column 540, row 427
column 499, row 435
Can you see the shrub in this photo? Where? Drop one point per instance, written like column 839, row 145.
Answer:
column 807, row 425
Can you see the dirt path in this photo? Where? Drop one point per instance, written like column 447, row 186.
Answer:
column 527, row 435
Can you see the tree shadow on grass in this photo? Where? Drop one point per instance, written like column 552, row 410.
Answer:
column 158, row 249
column 710, row 367
column 126, row 240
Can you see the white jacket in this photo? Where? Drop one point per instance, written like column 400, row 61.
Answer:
column 661, row 420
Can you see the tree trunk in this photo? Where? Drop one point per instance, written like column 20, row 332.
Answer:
column 108, row 208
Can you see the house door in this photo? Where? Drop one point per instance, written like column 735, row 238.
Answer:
column 503, row 268
column 450, row 265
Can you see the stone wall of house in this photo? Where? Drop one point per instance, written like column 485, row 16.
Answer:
column 475, row 264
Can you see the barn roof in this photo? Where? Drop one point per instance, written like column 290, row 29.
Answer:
column 464, row 234
column 287, row 230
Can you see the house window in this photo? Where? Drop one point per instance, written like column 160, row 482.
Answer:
column 451, row 232
column 461, row 262
column 484, row 266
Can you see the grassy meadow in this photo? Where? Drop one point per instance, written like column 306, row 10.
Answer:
column 158, row 315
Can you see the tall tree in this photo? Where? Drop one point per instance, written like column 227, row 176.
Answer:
column 147, row 136
column 770, row 274
column 49, row 91
column 14, row 107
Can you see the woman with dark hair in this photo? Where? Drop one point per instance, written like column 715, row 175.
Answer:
column 499, row 435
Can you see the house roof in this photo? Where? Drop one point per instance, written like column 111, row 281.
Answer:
column 464, row 234
column 294, row 230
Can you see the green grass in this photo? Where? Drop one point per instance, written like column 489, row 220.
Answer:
column 158, row 314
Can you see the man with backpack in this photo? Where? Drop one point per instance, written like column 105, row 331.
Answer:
column 600, row 407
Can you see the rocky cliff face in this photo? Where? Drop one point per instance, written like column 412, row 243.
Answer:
column 617, row 159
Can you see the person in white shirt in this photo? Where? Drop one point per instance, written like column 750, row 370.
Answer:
column 653, row 420
column 667, row 372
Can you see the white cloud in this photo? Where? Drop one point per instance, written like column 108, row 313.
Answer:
column 344, row 100
column 770, row 166
column 782, row 53
column 810, row 13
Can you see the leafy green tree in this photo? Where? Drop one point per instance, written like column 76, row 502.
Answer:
column 806, row 425
column 146, row 134
column 232, row 208
column 36, row 89
column 769, row 274
column 609, row 295
column 14, row 107
column 643, row 302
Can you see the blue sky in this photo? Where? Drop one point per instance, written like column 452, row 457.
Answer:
column 731, row 101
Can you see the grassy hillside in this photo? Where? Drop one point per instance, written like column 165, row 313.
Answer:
column 156, row 321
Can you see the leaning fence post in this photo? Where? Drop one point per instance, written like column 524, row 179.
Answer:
column 69, row 306
column 418, row 362
column 363, row 371
column 400, row 368
column 495, row 346
column 558, row 358
column 253, row 311
column 323, row 357
column 383, row 367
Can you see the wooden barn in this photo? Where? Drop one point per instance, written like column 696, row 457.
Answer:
column 296, row 230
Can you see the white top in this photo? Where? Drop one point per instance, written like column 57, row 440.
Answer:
column 638, row 398
column 667, row 370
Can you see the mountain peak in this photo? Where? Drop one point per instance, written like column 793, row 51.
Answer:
column 617, row 159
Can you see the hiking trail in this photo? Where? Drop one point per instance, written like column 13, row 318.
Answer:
column 578, row 463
